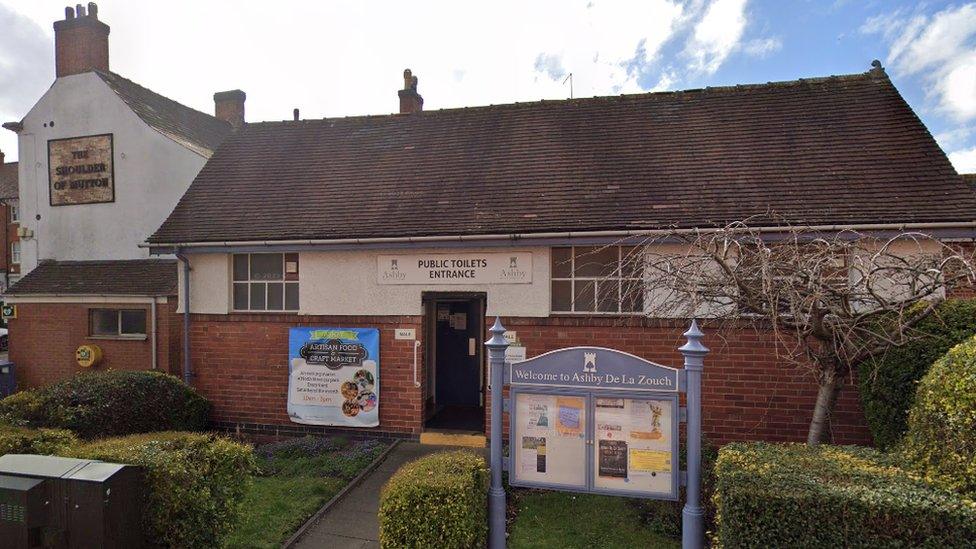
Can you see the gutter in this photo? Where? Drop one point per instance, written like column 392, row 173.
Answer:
column 187, row 369
column 568, row 235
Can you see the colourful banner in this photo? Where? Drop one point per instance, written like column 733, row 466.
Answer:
column 334, row 376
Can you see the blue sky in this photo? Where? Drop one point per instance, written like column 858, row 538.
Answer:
column 345, row 57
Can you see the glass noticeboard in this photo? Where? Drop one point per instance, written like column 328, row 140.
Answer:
column 550, row 440
column 632, row 450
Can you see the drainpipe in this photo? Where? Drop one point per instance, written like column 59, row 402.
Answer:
column 187, row 371
column 152, row 312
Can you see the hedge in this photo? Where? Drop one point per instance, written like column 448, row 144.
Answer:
column 888, row 383
column 439, row 500
column 100, row 404
column 941, row 437
column 793, row 495
column 23, row 440
column 663, row 516
column 196, row 483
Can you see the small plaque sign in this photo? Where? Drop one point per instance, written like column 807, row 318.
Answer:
column 81, row 170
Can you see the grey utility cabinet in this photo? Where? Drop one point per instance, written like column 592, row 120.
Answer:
column 56, row 502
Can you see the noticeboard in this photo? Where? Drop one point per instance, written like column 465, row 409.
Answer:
column 597, row 420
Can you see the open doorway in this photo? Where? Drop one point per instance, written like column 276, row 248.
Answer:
column 455, row 361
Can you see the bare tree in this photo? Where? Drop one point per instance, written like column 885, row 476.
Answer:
column 832, row 299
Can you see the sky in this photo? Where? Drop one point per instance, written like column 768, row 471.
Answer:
column 344, row 58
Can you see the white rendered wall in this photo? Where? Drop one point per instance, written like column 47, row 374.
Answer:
column 151, row 174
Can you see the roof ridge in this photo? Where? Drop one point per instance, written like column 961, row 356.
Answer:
column 154, row 92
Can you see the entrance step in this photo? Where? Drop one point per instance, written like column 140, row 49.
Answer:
column 453, row 438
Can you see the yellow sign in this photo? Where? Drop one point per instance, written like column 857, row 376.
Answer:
column 88, row 355
column 650, row 461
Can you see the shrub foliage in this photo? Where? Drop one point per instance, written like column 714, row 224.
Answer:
column 23, row 440
column 439, row 500
column 98, row 404
column 195, row 483
column 791, row 495
column 941, row 438
column 888, row 383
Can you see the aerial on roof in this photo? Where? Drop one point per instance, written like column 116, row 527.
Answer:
column 193, row 129
column 825, row 151
column 133, row 277
column 8, row 181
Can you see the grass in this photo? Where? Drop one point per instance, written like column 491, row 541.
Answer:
column 570, row 521
column 297, row 477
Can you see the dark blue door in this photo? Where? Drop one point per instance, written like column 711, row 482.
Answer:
column 458, row 354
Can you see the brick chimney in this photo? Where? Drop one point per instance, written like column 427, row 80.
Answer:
column 229, row 107
column 80, row 41
column 410, row 100
column 1, row 158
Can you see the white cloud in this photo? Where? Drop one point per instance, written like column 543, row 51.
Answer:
column 716, row 35
column 954, row 138
column 762, row 47
column 964, row 160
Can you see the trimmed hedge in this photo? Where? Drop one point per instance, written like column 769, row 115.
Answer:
column 440, row 500
column 196, row 483
column 794, row 495
column 23, row 440
column 888, row 384
column 100, row 404
column 941, row 438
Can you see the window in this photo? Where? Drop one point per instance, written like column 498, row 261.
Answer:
column 594, row 279
column 117, row 322
column 265, row 282
column 15, row 252
column 14, row 213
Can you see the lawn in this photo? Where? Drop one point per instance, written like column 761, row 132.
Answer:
column 565, row 520
column 296, row 478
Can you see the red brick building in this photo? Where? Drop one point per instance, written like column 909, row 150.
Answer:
column 9, row 223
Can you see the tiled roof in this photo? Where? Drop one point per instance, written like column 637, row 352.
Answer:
column 193, row 129
column 836, row 150
column 136, row 277
column 970, row 179
column 8, row 181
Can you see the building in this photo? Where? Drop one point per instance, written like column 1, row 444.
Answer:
column 103, row 160
column 424, row 224
column 9, row 223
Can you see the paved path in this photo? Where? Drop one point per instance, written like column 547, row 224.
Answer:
column 352, row 523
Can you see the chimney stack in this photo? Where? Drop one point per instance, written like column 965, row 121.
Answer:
column 1, row 158
column 229, row 107
column 80, row 41
column 410, row 100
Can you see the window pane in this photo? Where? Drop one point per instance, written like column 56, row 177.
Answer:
column 633, row 296
column 240, row 266
column 632, row 262
column 104, row 322
column 608, row 298
column 276, row 296
column 562, row 295
column 584, row 295
column 291, row 297
column 562, row 262
column 240, row 297
column 134, row 322
column 595, row 262
column 257, row 296
column 266, row 267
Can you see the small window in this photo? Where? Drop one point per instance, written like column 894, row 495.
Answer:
column 265, row 282
column 597, row 280
column 14, row 213
column 15, row 252
column 118, row 322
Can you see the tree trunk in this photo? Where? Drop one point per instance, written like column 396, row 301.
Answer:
column 822, row 410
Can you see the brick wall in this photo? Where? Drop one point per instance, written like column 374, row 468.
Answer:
column 241, row 363
column 44, row 337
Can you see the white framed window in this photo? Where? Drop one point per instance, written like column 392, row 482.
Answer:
column 117, row 322
column 15, row 252
column 265, row 282
column 14, row 213
column 597, row 280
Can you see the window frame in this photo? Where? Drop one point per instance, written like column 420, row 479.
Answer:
column 249, row 282
column 618, row 277
column 119, row 334
column 14, row 213
column 15, row 251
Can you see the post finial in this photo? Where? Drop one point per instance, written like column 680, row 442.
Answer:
column 694, row 336
column 497, row 334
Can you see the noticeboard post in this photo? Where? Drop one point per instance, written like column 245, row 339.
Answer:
column 597, row 420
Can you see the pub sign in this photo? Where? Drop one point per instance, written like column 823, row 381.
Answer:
column 81, row 170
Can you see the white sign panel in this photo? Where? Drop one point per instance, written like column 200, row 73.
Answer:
column 466, row 268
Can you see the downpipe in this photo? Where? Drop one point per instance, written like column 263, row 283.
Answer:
column 187, row 370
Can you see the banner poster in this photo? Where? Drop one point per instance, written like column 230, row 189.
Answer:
column 634, row 445
column 333, row 376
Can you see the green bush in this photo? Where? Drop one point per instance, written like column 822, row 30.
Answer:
column 664, row 517
column 23, row 440
column 888, row 383
column 196, row 483
column 793, row 495
column 941, row 437
column 99, row 404
column 439, row 500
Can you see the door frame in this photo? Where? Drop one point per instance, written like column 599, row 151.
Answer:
column 429, row 301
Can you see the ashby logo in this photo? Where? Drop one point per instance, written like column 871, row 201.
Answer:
column 513, row 272
column 393, row 273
